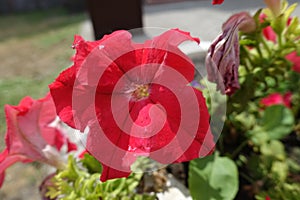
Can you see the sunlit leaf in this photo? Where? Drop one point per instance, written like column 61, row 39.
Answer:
column 213, row 178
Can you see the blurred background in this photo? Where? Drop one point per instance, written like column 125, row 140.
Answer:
column 35, row 46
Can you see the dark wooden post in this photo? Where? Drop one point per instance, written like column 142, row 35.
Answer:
column 108, row 16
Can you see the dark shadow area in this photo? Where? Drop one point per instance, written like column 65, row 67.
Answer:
column 108, row 16
column 19, row 6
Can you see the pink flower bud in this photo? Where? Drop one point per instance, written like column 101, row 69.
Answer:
column 277, row 99
column 295, row 60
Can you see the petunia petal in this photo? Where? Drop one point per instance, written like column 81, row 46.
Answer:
column 217, row 2
column 134, row 99
column 107, row 142
column 174, row 57
column 16, row 138
column 8, row 160
column 29, row 132
column 193, row 145
column 111, row 173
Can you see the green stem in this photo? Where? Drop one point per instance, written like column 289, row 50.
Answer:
column 239, row 149
column 221, row 144
column 249, row 60
column 248, row 178
column 247, row 63
column 263, row 41
column 259, row 51
column 280, row 40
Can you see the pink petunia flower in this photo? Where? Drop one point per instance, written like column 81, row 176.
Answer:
column 277, row 99
column 30, row 135
column 295, row 60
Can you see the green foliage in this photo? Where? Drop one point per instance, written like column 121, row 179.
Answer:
column 277, row 122
column 283, row 191
column 91, row 164
column 77, row 182
column 213, row 178
column 254, row 136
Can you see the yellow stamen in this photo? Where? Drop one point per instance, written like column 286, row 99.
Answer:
column 141, row 91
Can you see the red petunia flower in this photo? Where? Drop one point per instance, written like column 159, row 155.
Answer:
column 295, row 60
column 135, row 100
column 268, row 198
column 277, row 99
column 30, row 134
column 217, row 2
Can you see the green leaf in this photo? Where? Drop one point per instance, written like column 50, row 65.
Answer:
column 280, row 170
column 288, row 12
column 258, row 136
column 293, row 166
column 294, row 24
column 274, row 148
column 257, row 168
column 246, row 119
column 72, row 172
column 278, row 121
column 278, row 24
column 213, row 178
column 74, row 182
column 91, row 163
column 239, row 101
column 247, row 42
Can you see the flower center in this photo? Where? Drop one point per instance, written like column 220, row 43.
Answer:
column 140, row 92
